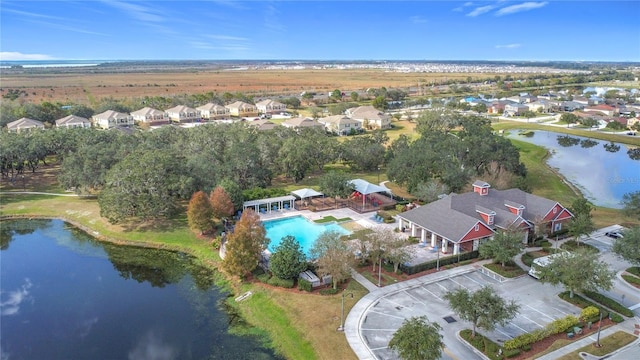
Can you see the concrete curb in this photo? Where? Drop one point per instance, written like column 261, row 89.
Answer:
column 471, row 347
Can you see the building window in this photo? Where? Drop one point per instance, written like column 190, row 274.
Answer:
column 477, row 227
column 555, row 210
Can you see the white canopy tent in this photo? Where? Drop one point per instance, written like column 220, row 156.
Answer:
column 305, row 193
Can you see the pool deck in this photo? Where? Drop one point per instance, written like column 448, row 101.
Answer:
column 362, row 219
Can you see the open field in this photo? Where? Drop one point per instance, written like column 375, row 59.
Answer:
column 83, row 87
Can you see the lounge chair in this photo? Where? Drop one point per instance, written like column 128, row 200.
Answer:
column 286, row 206
column 263, row 210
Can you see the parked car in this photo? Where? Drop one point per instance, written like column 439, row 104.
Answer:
column 614, row 234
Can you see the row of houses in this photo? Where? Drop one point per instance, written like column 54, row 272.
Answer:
column 354, row 119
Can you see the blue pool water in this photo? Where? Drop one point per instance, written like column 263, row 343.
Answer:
column 305, row 231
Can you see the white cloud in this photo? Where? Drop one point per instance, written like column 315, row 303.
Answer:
column 480, row 10
column 32, row 15
column 137, row 11
column 14, row 55
column 512, row 9
column 227, row 37
column 272, row 19
column 418, row 20
column 11, row 305
column 508, row 46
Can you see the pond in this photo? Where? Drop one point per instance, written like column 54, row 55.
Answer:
column 66, row 296
column 603, row 171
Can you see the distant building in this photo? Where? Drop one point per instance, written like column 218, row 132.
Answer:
column 242, row 109
column 213, row 111
column 182, row 114
column 24, row 124
column 368, row 116
column 150, row 116
column 110, row 119
column 300, row 122
column 340, row 124
column 270, row 107
column 73, row 121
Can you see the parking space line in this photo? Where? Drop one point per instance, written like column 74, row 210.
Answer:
column 477, row 282
column 538, row 311
column 504, row 333
column 437, row 297
column 458, row 283
column 380, row 348
column 438, row 283
column 379, row 313
column 523, row 330
column 415, row 298
column 395, row 303
column 531, row 320
column 566, row 313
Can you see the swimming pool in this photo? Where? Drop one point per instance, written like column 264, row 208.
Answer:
column 305, row 231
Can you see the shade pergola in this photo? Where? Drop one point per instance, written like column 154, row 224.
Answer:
column 305, row 193
column 276, row 200
column 365, row 188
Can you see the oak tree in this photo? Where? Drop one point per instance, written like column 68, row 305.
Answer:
column 418, row 339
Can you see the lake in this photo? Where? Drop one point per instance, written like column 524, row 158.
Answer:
column 65, row 295
column 602, row 175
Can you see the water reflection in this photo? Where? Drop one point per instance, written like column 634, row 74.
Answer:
column 66, row 296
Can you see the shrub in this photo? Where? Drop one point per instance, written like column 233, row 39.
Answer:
column 616, row 318
column 589, row 312
column 608, row 302
column 216, row 242
column 556, row 327
column 572, row 245
column 410, row 270
column 304, row 285
column 263, row 278
column 635, row 270
column 512, row 353
column 329, row 291
column 399, row 207
column 285, row 283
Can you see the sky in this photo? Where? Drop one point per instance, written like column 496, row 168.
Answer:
column 320, row 30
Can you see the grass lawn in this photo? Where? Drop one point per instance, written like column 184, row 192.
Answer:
column 330, row 218
column 608, row 344
column 510, row 270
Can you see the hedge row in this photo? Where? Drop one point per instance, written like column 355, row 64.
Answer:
column 635, row 270
column 410, row 270
column 631, row 279
column 556, row 327
column 608, row 302
column 581, row 302
column 305, row 285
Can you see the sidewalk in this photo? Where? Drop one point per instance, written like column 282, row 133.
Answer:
column 587, row 340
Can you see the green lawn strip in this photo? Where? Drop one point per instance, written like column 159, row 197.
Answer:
column 330, row 218
column 631, row 279
column 635, row 270
column 265, row 314
column 608, row 302
column 385, row 279
column 572, row 245
column 608, row 344
column 509, row 270
column 482, row 343
column 544, row 181
column 508, row 125
column 582, row 302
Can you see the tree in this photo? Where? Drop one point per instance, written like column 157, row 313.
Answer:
column 147, row 184
column 244, row 246
column 293, row 102
column 288, row 260
column 429, row 190
column 380, row 103
column 581, row 206
column 504, row 246
column 569, row 118
column 480, row 108
column 235, row 193
column 581, row 225
column 336, row 184
column 418, row 339
column 628, row 247
column 578, row 271
column 336, row 94
column 528, row 114
column 631, row 204
column 354, row 96
column 221, row 203
column 333, row 256
column 200, row 212
column 483, row 308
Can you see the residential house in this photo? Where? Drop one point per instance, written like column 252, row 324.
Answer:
column 211, row 111
column 73, row 121
column 301, row 122
column 515, row 109
column 242, row 109
column 182, row 114
column 570, row 106
column 539, row 106
column 341, row 124
column 369, row 117
column 270, row 107
column 602, row 108
column 262, row 124
column 150, row 116
column 581, row 100
column 110, row 119
column 497, row 107
column 633, row 121
column 460, row 222
column 24, row 124
column 527, row 98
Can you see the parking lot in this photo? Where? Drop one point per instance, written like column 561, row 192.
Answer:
column 539, row 305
